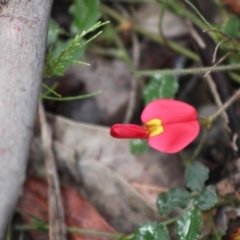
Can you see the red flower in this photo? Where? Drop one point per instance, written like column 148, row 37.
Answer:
column 169, row 126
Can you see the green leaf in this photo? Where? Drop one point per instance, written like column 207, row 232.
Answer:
column 160, row 86
column 138, row 146
column 53, row 31
column 232, row 26
column 195, row 176
column 85, row 14
column 151, row 231
column 207, row 199
column 189, row 225
column 167, row 201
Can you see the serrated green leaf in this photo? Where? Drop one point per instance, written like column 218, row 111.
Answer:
column 160, row 86
column 189, row 225
column 53, row 31
column 207, row 199
column 138, row 146
column 195, row 176
column 151, row 231
column 85, row 14
column 232, row 26
column 167, row 201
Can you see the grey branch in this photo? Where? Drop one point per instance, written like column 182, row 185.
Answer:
column 23, row 32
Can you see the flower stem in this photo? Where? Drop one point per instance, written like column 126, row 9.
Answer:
column 72, row 230
column 227, row 201
column 199, row 147
column 170, row 221
column 215, row 231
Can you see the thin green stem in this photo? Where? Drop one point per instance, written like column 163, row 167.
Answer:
column 170, row 221
column 71, row 230
column 30, row 227
column 114, row 14
column 228, row 201
column 19, row 210
column 162, row 10
column 235, row 77
column 176, row 7
column 71, row 98
column 118, row 40
column 91, row 232
column 50, row 90
column 215, row 231
column 199, row 14
column 199, row 146
column 175, row 47
column 188, row 70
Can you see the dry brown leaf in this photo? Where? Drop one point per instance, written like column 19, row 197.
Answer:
column 232, row 5
column 78, row 212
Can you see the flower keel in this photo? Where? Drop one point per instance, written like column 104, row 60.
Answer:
column 128, row 131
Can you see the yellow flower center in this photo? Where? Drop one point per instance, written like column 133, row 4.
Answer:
column 154, row 127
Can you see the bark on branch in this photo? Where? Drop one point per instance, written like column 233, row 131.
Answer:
column 23, row 32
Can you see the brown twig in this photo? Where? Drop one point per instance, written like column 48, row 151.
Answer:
column 56, row 213
column 216, row 97
column 221, row 80
column 134, row 82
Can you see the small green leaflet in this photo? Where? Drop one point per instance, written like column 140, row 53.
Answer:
column 138, row 146
column 207, row 199
column 53, row 31
column 189, row 225
column 195, row 176
column 232, row 26
column 167, row 201
column 85, row 14
column 160, row 86
column 151, row 231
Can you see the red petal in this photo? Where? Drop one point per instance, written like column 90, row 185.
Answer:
column 175, row 137
column 128, row 131
column 169, row 111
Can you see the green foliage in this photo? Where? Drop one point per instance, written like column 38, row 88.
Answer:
column 138, row 146
column 151, row 231
column 189, row 225
column 57, row 64
column 64, row 53
column 232, row 26
column 85, row 14
column 206, row 200
column 160, row 86
column 195, row 176
column 167, row 201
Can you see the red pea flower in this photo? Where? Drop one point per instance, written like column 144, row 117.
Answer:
column 169, row 126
